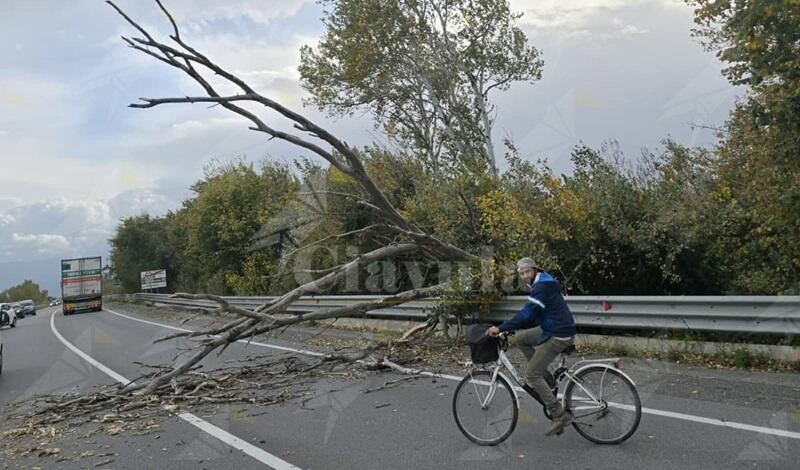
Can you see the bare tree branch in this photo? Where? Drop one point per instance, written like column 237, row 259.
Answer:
column 338, row 154
column 225, row 306
column 348, row 310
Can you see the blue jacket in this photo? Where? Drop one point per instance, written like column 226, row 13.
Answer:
column 546, row 308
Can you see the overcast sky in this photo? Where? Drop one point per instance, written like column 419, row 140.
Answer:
column 614, row 69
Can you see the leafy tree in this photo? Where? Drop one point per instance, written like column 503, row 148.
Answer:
column 682, row 221
column 678, row 219
column 757, row 210
column 212, row 231
column 757, row 167
column 610, row 227
column 27, row 289
column 425, row 70
column 760, row 42
column 140, row 244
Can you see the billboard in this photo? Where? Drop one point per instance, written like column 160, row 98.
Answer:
column 154, row 279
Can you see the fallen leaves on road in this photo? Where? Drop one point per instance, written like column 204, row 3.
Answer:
column 112, row 411
column 262, row 381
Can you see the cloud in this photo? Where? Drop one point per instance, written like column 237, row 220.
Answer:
column 630, row 72
column 702, row 103
column 7, row 202
column 242, row 52
column 269, row 67
column 34, row 236
column 72, row 227
column 195, row 127
column 44, row 244
column 32, row 101
column 554, row 134
column 137, row 202
column 630, row 30
column 197, row 14
column 571, row 15
column 60, row 216
column 64, row 120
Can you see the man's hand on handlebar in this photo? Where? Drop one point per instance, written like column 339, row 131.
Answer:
column 493, row 332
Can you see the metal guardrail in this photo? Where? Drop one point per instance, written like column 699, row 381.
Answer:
column 734, row 314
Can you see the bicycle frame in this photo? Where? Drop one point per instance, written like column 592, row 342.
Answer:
column 594, row 384
column 562, row 372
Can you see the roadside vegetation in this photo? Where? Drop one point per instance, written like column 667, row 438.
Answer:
column 24, row 291
column 431, row 213
column 675, row 220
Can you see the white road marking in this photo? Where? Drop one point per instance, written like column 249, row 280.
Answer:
column 725, row 424
column 243, row 341
column 255, row 452
column 651, row 411
column 85, row 356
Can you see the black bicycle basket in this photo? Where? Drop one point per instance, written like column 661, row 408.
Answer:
column 482, row 348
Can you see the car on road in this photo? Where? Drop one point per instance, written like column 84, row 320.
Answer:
column 17, row 309
column 1, row 353
column 8, row 316
column 28, row 307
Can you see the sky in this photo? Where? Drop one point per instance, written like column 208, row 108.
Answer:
column 74, row 159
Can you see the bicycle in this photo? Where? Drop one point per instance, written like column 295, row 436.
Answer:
column 597, row 393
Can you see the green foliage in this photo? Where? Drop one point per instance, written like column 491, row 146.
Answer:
column 448, row 209
column 666, row 225
column 423, row 68
column 468, row 297
column 214, row 229
column 743, row 358
column 760, row 42
column 204, row 245
column 255, row 274
column 757, row 168
column 25, row 290
column 756, row 196
column 678, row 221
column 609, row 227
column 141, row 244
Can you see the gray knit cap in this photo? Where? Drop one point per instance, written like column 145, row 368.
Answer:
column 527, row 263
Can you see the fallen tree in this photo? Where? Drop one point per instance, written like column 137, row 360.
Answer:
column 313, row 138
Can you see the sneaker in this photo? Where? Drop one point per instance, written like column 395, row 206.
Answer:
column 559, row 423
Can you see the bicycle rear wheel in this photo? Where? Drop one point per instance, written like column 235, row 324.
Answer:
column 605, row 403
column 485, row 413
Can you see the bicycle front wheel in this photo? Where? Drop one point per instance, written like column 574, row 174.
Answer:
column 605, row 404
column 485, row 412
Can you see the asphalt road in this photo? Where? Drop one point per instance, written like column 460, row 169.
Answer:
column 409, row 426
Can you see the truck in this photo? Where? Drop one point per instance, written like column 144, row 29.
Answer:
column 81, row 285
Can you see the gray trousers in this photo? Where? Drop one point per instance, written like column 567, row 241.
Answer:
column 539, row 358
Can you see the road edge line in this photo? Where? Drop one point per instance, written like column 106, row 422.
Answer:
column 224, row 436
column 650, row 411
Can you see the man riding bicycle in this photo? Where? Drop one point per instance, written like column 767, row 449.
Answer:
column 554, row 331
